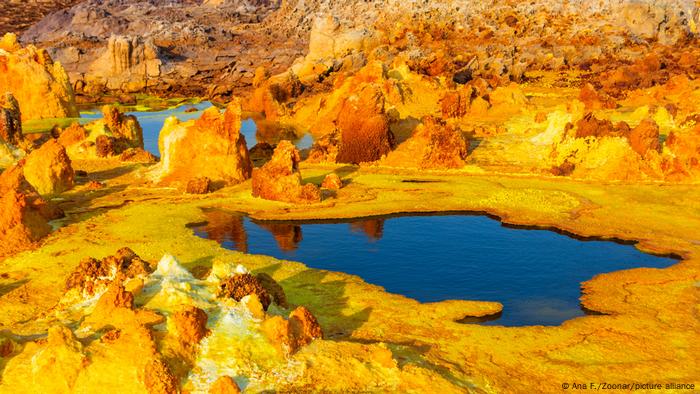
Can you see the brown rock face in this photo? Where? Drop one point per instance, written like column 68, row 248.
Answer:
column 239, row 286
column 200, row 185
column 49, row 169
column 124, row 128
column 684, row 164
column 305, row 327
column 10, row 120
column 325, row 149
column 332, row 182
column 433, row 145
column 590, row 126
column 645, row 137
column 159, row 379
column 191, row 324
column 280, row 178
column 455, row 104
column 40, row 86
column 126, row 64
column 104, row 146
column 115, row 297
column 594, row 99
column 224, row 385
column 290, row 335
column 24, row 215
column 364, row 128
column 211, row 146
column 92, row 275
column 72, row 135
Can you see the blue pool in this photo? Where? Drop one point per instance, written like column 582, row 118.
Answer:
column 535, row 274
column 152, row 122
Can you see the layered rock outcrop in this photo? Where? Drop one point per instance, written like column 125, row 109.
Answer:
column 433, row 145
column 39, row 84
column 364, row 128
column 211, row 146
column 115, row 135
column 280, row 178
column 49, row 169
column 128, row 64
column 24, row 215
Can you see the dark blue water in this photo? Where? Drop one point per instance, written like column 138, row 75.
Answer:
column 535, row 274
column 152, row 122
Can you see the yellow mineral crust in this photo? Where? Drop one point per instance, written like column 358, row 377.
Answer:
column 373, row 340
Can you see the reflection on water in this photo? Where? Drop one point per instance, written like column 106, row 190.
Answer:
column 372, row 228
column 536, row 274
column 230, row 229
column 152, row 122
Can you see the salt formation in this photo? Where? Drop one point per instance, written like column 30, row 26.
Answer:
column 40, row 86
column 24, row 215
column 115, row 135
column 211, row 146
column 49, row 169
column 210, row 334
column 128, row 64
column 433, row 145
column 280, row 178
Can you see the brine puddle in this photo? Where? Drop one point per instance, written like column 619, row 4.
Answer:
column 535, row 274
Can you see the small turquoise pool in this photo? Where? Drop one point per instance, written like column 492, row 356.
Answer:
column 535, row 274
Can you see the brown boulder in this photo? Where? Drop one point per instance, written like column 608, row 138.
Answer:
column 199, row 185
column 241, row 285
column 364, row 127
column 280, row 178
column 645, row 137
column 10, row 120
column 124, row 128
column 127, row 63
column 305, row 327
column 332, row 182
column 137, row 155
column 290, row 335
column 210, row 146
column 92, row 275
column 72, row 135
column 191, row 324
column 49, row 169
column 433, row 145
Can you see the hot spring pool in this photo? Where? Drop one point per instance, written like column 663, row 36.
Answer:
column 535, row 274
